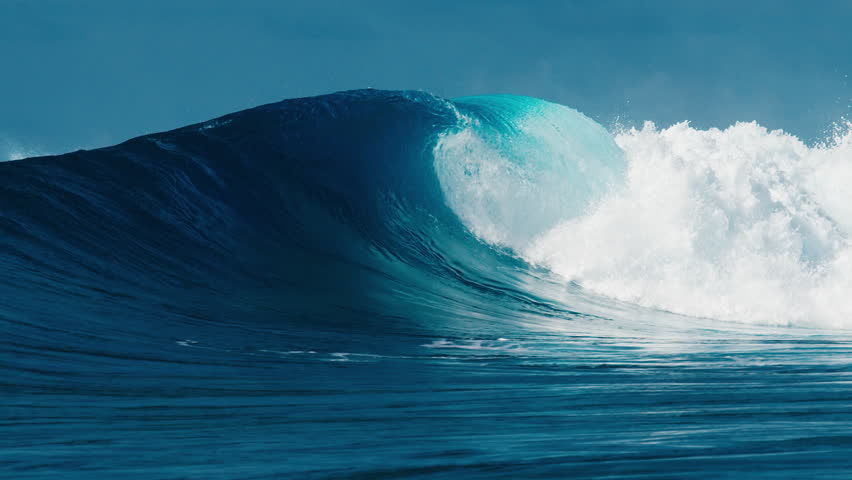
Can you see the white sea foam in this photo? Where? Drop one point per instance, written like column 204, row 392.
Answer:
column 741, row 224
column 499, row 345
column 11, row 150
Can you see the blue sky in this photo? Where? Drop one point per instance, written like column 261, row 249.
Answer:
column 95, row 72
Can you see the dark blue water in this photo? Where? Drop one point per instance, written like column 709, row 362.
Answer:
column 287, row 292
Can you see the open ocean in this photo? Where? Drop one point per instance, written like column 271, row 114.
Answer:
column 391, row 285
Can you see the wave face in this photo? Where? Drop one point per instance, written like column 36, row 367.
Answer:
column 520, row 165
column 377, row 284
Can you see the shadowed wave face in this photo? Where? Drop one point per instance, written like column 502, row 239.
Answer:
column 377, row 284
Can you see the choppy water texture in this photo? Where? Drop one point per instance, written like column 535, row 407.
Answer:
column 378, row 284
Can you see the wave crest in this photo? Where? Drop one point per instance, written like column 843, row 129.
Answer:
column 519, row 165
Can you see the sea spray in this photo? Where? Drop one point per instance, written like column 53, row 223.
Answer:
column 741, row 224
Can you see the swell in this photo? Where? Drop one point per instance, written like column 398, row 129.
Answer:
column 379, row 211
column 308, row 215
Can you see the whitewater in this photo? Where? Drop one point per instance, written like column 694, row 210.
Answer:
column 742, row 224
column 389, row 284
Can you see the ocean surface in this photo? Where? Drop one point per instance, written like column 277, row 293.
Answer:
column 391, row 285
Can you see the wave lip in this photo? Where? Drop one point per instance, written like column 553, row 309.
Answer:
column 519, row 165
